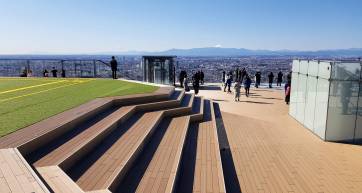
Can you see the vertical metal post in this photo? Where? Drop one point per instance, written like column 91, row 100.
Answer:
column 27, row 67
column 94, row 68
column 75, row 69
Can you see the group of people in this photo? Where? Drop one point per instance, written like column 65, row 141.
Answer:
column 242, row 77
column 197, row 79
column 54, row 73
column 279, row 79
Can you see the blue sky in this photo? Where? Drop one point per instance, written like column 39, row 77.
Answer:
column 88, row 26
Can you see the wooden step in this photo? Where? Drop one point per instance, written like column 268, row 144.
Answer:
column 117, row 159
column 198, row 109
column 161, row 173
column 39, row 134
column 184, row 109
column 177, row 95
column 208, row 174
column 57, row 180
column 208, row 168
column 71, row 151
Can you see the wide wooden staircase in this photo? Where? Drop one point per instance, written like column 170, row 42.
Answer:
column 144, row 144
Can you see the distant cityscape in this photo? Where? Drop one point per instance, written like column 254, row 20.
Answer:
column 130, row 68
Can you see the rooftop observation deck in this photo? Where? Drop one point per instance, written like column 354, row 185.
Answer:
column 272, row 152
column 247, row 146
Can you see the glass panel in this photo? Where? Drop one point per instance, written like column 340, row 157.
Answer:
column 157, row 73
column 295, row 67
column 303, row 67
column 342, row 111
column 321, row 108
column 313, row 68
column 346, row 71
column 293, row 95
column 166, row 70
column 358, row 133
column 324, row 70
column 302, row 88
column 310, row 102
column 294, row 88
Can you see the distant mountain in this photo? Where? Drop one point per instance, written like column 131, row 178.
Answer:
column 216, row 51
column 208, row 51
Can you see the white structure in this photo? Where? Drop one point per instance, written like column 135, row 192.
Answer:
column 326, row 97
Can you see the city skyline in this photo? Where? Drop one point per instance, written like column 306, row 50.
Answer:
column 68, row 27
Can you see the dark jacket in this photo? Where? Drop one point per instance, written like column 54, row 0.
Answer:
column 114, row 65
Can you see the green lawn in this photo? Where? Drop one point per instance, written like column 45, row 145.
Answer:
column 24, row 101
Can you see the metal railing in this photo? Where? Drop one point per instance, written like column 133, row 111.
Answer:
column 78, row 68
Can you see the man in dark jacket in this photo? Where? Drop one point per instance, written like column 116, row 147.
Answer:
column 280, row 78
column 271, row 78
column 257, row 79
column 114, row 67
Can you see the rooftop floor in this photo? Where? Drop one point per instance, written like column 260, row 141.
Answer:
column 272, row 152
column 262, row 149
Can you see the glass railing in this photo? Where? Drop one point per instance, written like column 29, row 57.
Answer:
column 69, row 68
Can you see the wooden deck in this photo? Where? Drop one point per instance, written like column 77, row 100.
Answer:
column 253, row 145
column 208, row 176
column 16, row 175
column 160, row 175
column 57, row 156
column 273, row 153
column 117, row 158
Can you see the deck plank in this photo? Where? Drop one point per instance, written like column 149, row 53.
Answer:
column 15, row 176
column 102, row 173
column 161, row 172
column 68, row 149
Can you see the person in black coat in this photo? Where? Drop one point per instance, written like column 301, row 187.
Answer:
column 280, row 78
column 271, row 78
column 114, row 65
column 257, row 79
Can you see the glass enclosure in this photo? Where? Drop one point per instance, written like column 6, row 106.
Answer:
column 158, row 69
column 326, row 98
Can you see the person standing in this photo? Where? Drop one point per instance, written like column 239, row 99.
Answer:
column 237, row 90
column 257, row 79
column 196, row 83
column 223, row 78
column 181, row 78
column 202, row 76
column 287, row 92
column 54, row 72
column 242, row 75
column 247, row 84
column 280, row 78
column 237, row 75
column 185, row 85
column 45, row 73
column 228, row 82
column 114, row 65
column 271, row 78
column 63, row 73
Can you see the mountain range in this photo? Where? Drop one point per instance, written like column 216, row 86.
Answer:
column 218, row 51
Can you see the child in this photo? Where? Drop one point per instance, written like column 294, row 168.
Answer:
column 237, row 90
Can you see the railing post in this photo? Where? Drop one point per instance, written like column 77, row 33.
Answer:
column 94, row 68
column 27, row 67
column 75, row 69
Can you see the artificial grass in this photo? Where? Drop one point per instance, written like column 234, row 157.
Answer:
column 21, row 108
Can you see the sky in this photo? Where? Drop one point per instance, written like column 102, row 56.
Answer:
column 92, row 26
